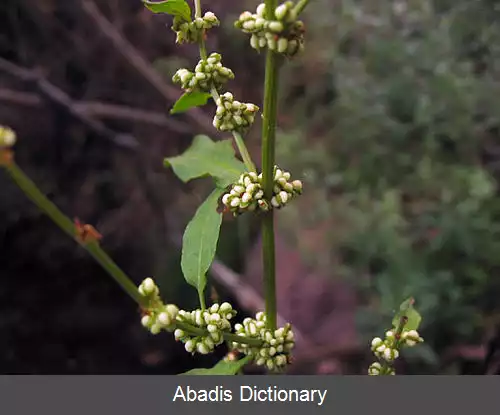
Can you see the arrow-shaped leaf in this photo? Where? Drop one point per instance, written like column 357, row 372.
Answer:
column 207, row 158
column 173, row 7
column 221, row 368
column 199, row 242
column 407, row 310
column 190, row 100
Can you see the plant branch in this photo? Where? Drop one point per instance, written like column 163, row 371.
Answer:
column 99, row 109
column 246, row 296
column 245, row 155
column 397, row 342
column 273, row 62
column 300, row 6
column 201, row 297
column 140, row 63
column 61, row 220
column 61, row 99
column 197, row 331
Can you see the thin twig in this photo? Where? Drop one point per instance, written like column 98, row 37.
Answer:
column 100, row 110
column 300, row 6
column 65, row 224
column 60, row 98
column 136, row 60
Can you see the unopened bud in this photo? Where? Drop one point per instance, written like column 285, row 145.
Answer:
column 7, row 137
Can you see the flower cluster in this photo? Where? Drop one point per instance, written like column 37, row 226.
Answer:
column 376, row 369
column 7, row 137
column 247, row 193
column 387, row 350
column 214, row 321
column 157, row 316
column 232, row 115
column 276, row 347
column 192, row 32
column 284, row 35
column 208, row 73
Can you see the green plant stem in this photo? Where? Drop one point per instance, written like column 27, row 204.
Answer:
column 61, row 220
column 245, row 155
column 273, row 63
column 300, row 6
column 201, row 296
column 196, row 331
column 51, row 210
column 386, row 366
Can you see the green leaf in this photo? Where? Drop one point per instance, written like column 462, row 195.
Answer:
column 221, row 368
column 406, row 309
column 199, row 242
column 173, row 7
column 190, row 100
column 208, row 158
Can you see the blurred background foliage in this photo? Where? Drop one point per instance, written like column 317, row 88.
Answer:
column 396, row 134
column 391, row 117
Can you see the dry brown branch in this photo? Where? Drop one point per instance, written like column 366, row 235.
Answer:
column 246, row 296
column 60, row 98
column 136, row 60
column 100, row 110
column 250, row 299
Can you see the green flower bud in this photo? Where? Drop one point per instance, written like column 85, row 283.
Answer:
column 146, row 321
column 200, row 76
column 211, row 18
column 155, row 329
column 217, row 337
column 245, row 16
column 282, row 197
column 165, row 319
column 281, row 11
column 377, row 342
column 275, row 202
column 278, row 333
column 148, row 286
column 276, row 27
column 390, row 354
column 261, row 10
column 374, row 369
column 202, row 348
column 199, row 23
column 249, row 26
column 297, row 186
column 280, row 360
column 209, row 343
column 282, row 45
column 190, row 346
column 172, row 309
column 246, row 198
